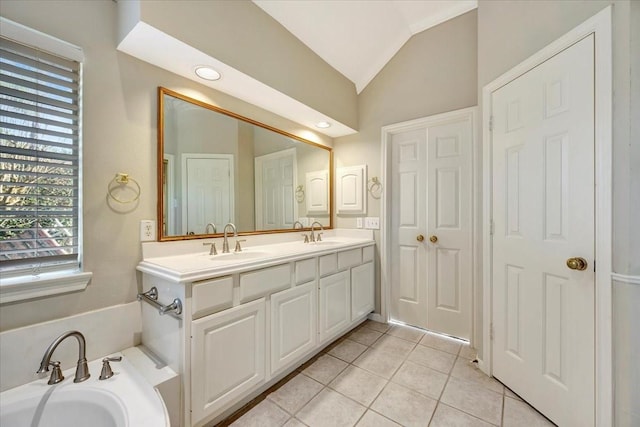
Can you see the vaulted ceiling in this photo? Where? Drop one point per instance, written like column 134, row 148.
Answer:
column 358, row 37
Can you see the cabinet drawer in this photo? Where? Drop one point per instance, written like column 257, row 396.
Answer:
column 367, row 254
column 350, row 258
column 305, row 270
column 211, row 296
column 328, row 264
column 263, row 282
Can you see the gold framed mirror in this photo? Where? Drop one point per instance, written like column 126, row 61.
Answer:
column 217, row 167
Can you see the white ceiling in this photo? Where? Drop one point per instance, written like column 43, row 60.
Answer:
column 358, row 37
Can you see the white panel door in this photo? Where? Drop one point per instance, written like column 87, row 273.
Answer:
column 227, row 353
column 408, row 222
column 207, row 190
column 431, row 235
column 274, row 199
column 449, row 221
column 334, row 305
column 293, row 324
column 543, row 210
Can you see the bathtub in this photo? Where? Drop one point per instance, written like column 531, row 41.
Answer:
column 124, row 400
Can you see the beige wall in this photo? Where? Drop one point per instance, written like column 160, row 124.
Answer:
column 119, row 135
column 241, row 35
column 434, row 72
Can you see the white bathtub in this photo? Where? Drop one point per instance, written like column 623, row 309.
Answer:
column 124, row 400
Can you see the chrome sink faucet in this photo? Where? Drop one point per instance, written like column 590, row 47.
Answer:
column 225, row 243
column 313, row 237
column 213, row 228
column 82, row 370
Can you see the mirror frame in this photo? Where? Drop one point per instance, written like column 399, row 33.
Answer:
column 160, row 167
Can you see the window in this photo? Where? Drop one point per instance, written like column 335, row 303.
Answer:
column 40, row 169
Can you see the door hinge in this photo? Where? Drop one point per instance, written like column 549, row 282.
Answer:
column 594, row 265
column 491, row 124
column 491, row 334
column 492, row 227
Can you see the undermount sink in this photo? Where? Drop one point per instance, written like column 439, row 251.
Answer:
column 239, row 256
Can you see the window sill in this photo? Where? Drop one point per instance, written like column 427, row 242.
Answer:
column 28, row 287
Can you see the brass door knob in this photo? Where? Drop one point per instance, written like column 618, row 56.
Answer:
column 577, row 263
column 433, row 239
column 420, row 238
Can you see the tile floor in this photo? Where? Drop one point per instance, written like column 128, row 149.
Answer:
column 388, row 375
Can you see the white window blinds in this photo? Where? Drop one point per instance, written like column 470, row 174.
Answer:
column 39, row 160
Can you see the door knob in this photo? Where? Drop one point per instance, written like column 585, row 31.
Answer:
column 577, row 263
column 433, row 239
column 420, row 238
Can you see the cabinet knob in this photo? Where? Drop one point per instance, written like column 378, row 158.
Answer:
column 433, row 239
column 420, row 238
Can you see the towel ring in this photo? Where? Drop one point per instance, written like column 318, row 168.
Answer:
column 299, row 194
column 121, row 180
column 374, row 187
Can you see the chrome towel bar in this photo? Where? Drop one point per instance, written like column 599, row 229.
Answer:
column 151, row 296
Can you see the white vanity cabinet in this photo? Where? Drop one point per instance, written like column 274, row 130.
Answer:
column 227, row 356
column 243, row 329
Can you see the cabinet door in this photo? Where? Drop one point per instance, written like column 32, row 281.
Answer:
column 293, row 324
column 227, row 357
column 362, row 298
column 335, row 305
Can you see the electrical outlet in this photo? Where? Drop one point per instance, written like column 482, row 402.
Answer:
column 147, row 230
column 358, row 222
column 372, row 223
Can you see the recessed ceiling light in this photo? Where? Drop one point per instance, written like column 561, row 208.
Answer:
column 207, row 73
column 323, row 125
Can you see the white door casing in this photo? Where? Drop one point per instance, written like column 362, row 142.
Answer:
column 543, row 213
column 600, row 26
column 431, row 223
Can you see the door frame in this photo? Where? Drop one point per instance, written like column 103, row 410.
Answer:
column 600, row 26
column 388, row 131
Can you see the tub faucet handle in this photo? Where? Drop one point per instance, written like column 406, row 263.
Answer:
column 106, row 372
column 56, row 373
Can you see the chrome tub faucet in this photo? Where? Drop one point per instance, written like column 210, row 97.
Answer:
column 82, row 370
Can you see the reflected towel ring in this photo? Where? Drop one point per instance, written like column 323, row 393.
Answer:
column 374, row 187
column 122, row 180
column 300, row 194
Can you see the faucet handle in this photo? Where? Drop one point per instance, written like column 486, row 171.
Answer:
column 106, row 372
column 306, row 238
column 238, row 247
column 56, row 374
column 213, row 250
column 319, row 237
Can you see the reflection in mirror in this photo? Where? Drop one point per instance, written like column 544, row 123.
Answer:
column 217, row 167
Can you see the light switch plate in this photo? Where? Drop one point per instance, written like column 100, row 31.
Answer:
column 372, row 223
column 147, row 230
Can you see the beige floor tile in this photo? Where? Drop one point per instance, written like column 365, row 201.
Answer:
column 379, row 362
column 373, row 419
column 421, row 379
column 263, row 414
column 364, row 336
column 474, row 399
column 325, row 369
column 406, row 333
column 518, row 413
column 468, row 352
column 432, row 358
column 394, row 345
column 441, row 343
column 295, row 393
column 358, row 384
column 330, row 408
column 348, row 350
column 446, row 416
column 511, row 394
column 294, row 423
column 376, row 326
column 467, row 370
column 404, row 406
